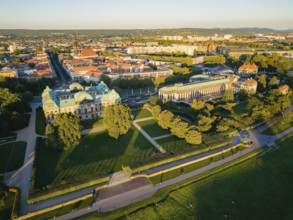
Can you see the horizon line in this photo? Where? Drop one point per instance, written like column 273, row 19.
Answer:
column 283, row 29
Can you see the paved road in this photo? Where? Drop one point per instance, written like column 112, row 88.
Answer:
column 156, row 145
column 20, row 178
column 59, row 70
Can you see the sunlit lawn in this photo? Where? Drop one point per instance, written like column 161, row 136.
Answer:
column 152, row 128
column 97, row 154
column 260, row 188
column 279, row 127
column 141, row 113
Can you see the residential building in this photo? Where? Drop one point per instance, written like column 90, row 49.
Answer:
column 248, row 69
column 284, row 89
column 86, row 102
column 172, row 38
column 237, row 84
column 6, row 72
column 187, row 49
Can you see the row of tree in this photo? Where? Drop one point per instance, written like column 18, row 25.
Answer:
column 178, row 127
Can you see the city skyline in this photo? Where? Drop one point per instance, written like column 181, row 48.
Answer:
column 131, row 14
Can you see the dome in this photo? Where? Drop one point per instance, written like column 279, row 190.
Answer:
column 80, row 96
column 75, row 86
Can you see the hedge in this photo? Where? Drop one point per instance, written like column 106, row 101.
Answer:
column 15, row 207
column 35, row 195
column 139, row 166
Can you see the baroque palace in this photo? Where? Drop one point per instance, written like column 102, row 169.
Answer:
column 207, row 89
column 86, row 102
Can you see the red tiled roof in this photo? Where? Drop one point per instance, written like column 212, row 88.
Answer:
column 249, row 66
column 284, row 88
column 83, row 68
column 94, row 74
column 249, row 82
column 87, row 53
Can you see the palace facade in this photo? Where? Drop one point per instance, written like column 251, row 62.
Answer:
column 86, row 102
column 187, row 92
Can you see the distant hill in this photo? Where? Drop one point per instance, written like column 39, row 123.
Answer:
column 142, row 32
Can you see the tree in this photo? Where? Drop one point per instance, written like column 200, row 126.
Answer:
column 27, row 96
column 242, row 95
column 117, row 119
column 286, row 119
column 153, row 100
column 179, row 128
column 205, row 123
column 106, row 79
column 156, row 110
column 228, row 96
column 222, row 125
column 209, row 107
column 32, row 65
column 262, row 80
column 273, row 81
column 193, row 137
column 197, row 104
column 19, row 88
column 64, row 132
column 165, row 119
column 158, row 80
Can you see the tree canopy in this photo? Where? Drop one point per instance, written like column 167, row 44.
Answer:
column 64, row 133
column 117, row 119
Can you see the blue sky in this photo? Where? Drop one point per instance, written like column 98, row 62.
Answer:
column 108, row 14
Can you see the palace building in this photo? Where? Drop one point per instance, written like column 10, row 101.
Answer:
column 248, row 69
column 206, row 90
column 86, row 102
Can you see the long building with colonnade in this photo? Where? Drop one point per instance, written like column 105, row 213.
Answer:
column 203, row 90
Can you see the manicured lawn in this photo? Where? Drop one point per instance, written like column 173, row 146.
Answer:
column 97, row 154
column 86, row 124
column 279, row 127
column 152, row 128
column 12, row 156
column 194, row 166
column 259, row 188
column 40, row 122
column 64, row 210
column 174, row 144
column 141, row 113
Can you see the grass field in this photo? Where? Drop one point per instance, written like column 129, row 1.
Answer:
column 174, row 144
column 86, row 124
column 64, row 210
column 152, row 128
column 194, row 166
column 40, row 122
column 260, row 188
column 97, row 154
column 141, row 113
column 279, row 127
column 12, row 156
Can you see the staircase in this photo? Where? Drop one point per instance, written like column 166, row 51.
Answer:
column 119, row 177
